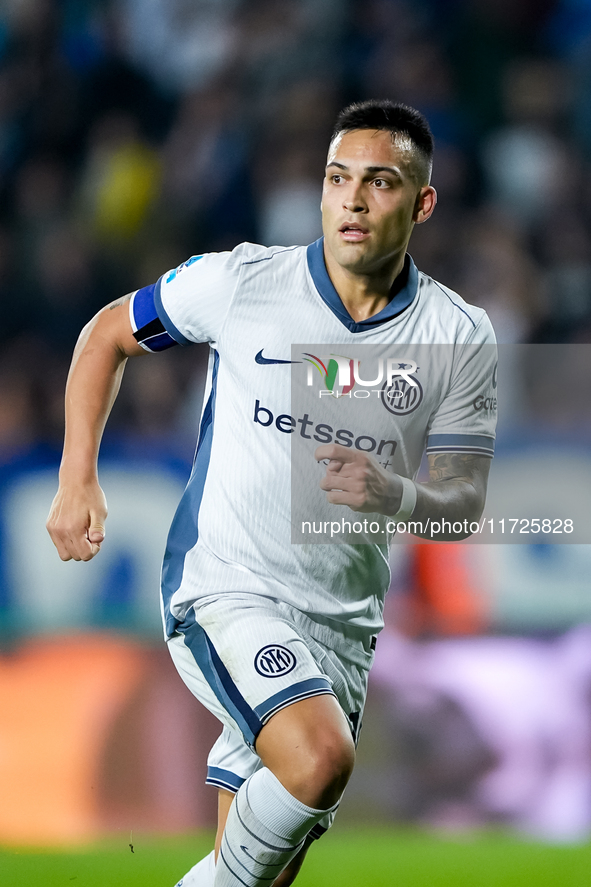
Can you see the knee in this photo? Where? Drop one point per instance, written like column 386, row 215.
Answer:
column 327, row 767
column 309, row 748
column 319, row 768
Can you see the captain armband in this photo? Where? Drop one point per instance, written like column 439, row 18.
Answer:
column 148, row 329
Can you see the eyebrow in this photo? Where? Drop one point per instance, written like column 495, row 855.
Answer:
column 371, row 169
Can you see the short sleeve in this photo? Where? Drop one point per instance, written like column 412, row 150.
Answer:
column 465, row 421
column 193, row 300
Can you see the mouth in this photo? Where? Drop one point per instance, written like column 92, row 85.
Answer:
column 352, row 232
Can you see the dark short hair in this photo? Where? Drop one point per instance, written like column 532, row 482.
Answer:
column 393, row 117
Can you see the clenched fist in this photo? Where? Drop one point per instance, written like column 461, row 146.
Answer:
column 76, row 521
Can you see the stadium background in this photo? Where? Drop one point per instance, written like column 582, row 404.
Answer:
column 134, row 133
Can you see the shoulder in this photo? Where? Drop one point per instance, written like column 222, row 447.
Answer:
column 211, row 270
column 255, row 254
column 245, row 259
column 229, row 261
column 195, row 298
column 470, row 322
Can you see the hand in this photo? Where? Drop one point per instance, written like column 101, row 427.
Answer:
column 76, row 521
column 356, row 479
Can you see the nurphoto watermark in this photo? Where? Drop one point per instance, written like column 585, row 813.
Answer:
column 410, row 408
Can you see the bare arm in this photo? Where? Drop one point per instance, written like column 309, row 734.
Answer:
column 456, row 490
column 76, row 521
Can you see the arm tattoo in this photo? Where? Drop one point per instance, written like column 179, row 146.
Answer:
column 456, row 466
column 120, row 301
column 456, row 490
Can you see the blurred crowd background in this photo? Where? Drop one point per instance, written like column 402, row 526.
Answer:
column 135, row 133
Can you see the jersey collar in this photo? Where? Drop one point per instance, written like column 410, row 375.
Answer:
column 404, row 289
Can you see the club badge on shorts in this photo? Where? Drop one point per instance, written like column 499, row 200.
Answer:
column 273, row 661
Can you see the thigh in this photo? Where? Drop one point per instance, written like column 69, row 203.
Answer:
column 348, row 677
column 245, row 660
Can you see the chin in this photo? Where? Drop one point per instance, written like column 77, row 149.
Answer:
column 356, row 260
column 352, row 253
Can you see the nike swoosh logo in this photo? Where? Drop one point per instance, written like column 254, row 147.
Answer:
column 245, row 849
column 266, row 360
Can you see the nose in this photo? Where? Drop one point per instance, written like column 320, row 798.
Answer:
column 354, row 200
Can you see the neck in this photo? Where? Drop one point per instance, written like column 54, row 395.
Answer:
column 363, row 295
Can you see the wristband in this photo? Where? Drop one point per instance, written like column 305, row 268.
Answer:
column 408, row 501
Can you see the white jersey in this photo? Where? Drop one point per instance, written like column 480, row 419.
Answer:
column 232, row 530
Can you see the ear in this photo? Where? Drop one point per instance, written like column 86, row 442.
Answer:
column 425, row 204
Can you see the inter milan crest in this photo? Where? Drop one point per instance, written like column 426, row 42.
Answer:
column 401, row 397
column 273, row 661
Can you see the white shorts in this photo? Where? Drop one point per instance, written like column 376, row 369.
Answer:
column 245, row 657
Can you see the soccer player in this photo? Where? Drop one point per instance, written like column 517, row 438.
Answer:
column 277, row 639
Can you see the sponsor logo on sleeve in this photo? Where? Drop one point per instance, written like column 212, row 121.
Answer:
column 484, row 404
column 176, row 271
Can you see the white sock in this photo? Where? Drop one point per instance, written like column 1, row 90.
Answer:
column 265, row 829
column 201, row 875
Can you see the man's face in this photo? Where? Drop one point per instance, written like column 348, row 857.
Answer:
column 370, row 200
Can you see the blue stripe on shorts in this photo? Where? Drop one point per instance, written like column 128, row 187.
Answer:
column 219, row 679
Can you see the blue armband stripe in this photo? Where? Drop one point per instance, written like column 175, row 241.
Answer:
column 168, row 324
column 144, row 311
column 149, row 332
column 461, row 443
column 160, row 342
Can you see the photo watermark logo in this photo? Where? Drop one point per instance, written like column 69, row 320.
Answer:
column 341, row 377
